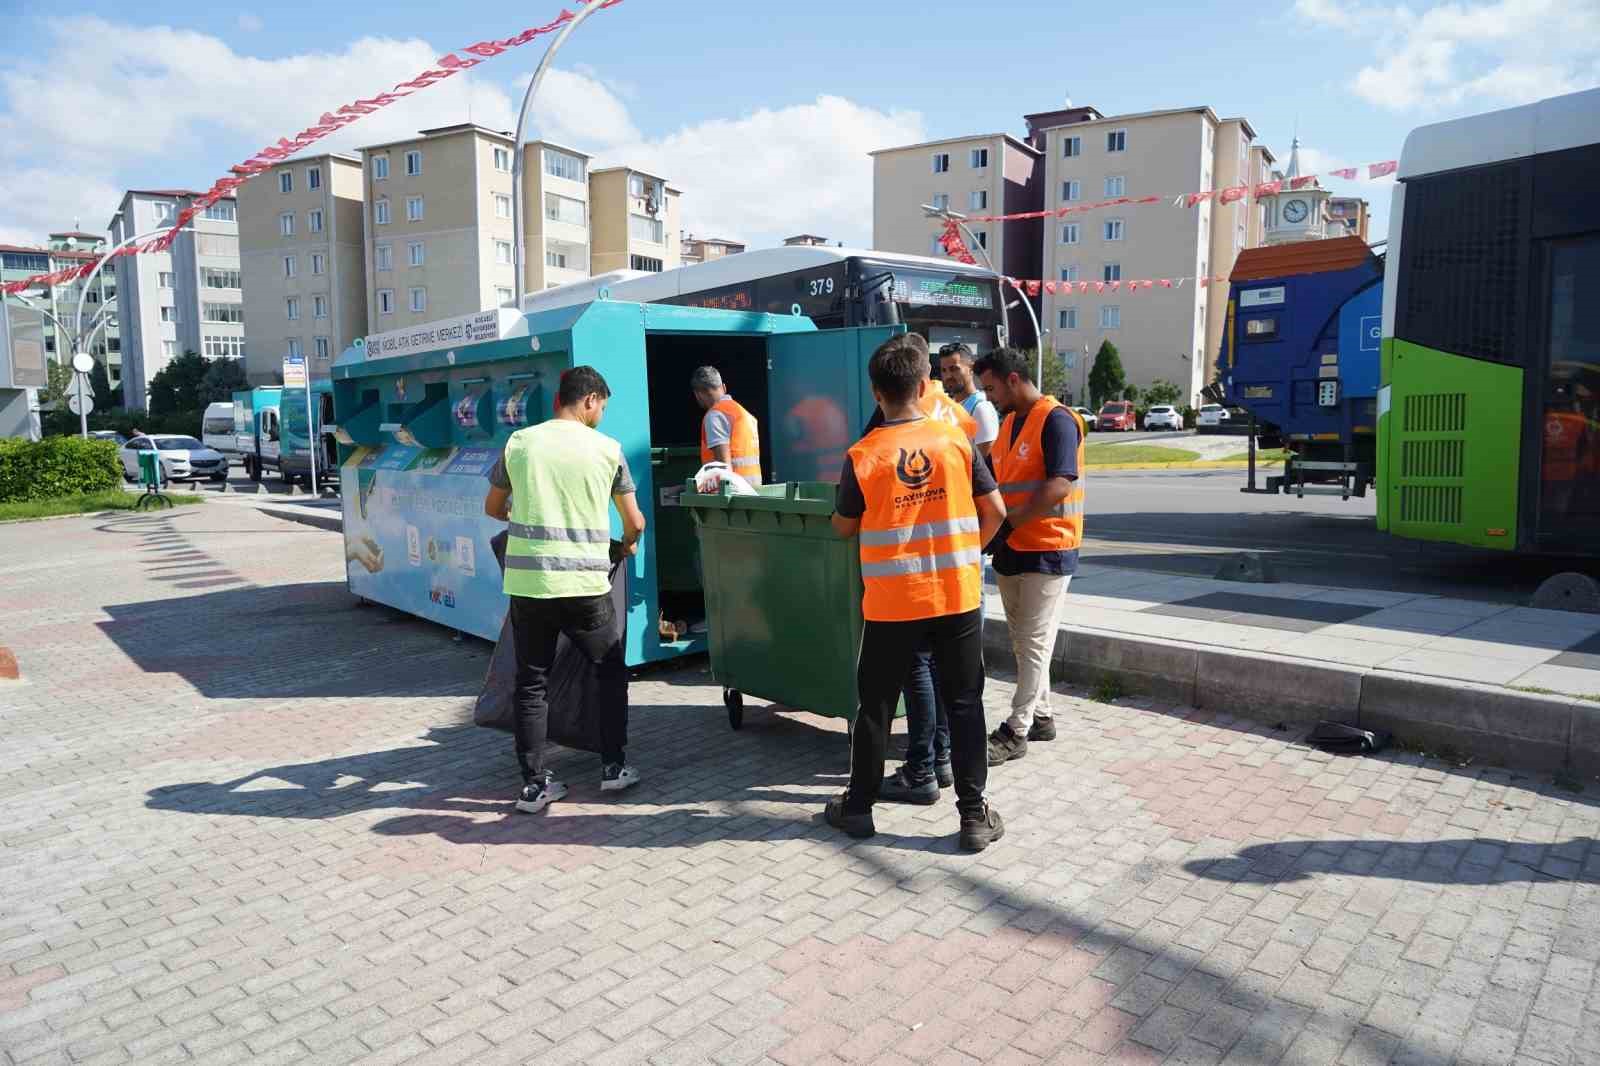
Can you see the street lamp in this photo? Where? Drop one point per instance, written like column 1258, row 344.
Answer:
column 960, row 221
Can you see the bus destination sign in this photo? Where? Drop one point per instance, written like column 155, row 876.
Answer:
column 946, row 291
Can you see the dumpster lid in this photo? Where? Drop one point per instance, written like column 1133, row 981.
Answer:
column 792, row 497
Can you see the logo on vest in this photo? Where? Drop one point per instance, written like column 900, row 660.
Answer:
column 1022, row 450
column 914, row 468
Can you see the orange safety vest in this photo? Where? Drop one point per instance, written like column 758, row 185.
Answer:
column 936, row 403
column 1019, row 468
column 920, row 552
column 744, row 441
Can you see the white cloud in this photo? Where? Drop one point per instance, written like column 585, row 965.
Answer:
column 47, row 199
column 1453, row 55
column 250, row 23
column 576, row 109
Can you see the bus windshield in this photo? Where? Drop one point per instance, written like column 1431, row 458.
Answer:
column 947, row 307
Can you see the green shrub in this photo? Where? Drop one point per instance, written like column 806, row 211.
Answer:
column 65, row 423
column 57, row 466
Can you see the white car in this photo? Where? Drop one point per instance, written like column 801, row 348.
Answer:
column 1163, row 416
column 182, row 458
column 1089, row 419
column 1211, row 414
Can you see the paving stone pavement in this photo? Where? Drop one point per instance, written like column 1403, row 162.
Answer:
column 246, row 820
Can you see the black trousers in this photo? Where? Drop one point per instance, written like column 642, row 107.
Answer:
column 590, row 623
column 888, row 650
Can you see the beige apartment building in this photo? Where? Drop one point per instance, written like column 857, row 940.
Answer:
column 303, row 261
column 633, row 222
column 702, row 249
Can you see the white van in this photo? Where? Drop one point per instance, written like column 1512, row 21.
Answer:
column 216, row 430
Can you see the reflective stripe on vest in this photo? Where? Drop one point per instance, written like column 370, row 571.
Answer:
column 558, row 542
column 744, row 439
column 920, row 553
column 1019, row 469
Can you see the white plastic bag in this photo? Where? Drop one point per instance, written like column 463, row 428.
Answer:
column 711, row 477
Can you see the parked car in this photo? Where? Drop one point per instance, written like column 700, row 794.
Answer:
column 1211, row 415
column 182, row 458
column 108, row 434
column 1089, row 420
column 1163, row 416
column 1117, row 414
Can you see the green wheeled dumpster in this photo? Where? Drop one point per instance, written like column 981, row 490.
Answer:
column 783, row 597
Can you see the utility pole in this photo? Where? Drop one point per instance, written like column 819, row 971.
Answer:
column 960, row 222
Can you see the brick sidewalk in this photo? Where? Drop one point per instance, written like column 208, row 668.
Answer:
column 246, row 822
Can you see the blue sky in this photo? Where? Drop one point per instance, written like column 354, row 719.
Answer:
column 761, row 112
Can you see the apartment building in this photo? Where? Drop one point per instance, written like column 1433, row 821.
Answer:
column 1348, row 216
column 700, row 249
column 633, row 222
column 302, row 264
column 167, row 303
column 556, row 213
column 70, row 248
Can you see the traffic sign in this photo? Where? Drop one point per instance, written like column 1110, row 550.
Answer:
column 81, row 404
column 83, row 363
column 294, row 371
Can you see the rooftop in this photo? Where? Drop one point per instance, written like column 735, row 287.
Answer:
column 1212, row 115
column 1015, row 142
column 80, row 233
column 441, row 131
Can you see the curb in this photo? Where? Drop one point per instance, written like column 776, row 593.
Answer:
column 1199, row 464
column 333, row 523
column 1503, row 726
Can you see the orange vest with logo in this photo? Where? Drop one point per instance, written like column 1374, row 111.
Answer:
column 920, row 552
column 1019, row 468
column 937, row 404
column 744, row 442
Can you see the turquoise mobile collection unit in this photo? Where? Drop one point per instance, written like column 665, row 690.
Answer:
column 423, row 414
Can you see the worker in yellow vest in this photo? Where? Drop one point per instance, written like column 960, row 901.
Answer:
column 922, row 503
column 728, row 433
column 1038, row 461
column 556, row 484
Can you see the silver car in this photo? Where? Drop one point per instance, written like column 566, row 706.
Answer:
column 182, row 458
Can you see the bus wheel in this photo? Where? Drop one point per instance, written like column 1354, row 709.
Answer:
column 1569, row 591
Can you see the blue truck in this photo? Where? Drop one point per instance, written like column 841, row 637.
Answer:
column 1300, row 356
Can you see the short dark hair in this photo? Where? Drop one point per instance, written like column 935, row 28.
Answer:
column 956, row 349
column 897, row 367
column 578, row 382
column 1003, row 362
column 917, row 341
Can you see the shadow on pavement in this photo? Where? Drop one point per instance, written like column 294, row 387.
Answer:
column 1463, row 861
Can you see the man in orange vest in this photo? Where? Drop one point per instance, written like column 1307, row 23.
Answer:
column 1038, row 462
column 922, row 503
column 728, row 433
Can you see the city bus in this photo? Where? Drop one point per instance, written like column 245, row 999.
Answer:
column 1489, row 382
column 941, row 299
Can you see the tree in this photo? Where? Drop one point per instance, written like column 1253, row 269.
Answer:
column 224, row 377
column 1162, row 391
column 176, row 386
column 105, row 397
column 1056, row 379
column 1131, row 394
column 58, row 383
column 1106, row 379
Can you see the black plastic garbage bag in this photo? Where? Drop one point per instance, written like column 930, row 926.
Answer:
column 572, row 681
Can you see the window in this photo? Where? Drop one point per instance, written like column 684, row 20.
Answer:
column 222, row 211
column 163, row 211
column 413, row 163
column 1069, row 273
column 286, row 224
column 418, row 253
column 288, row 266
column 502, row 295
column 380, row 212
column 170, row 314
column 1117, row 185
column 564, row 209
column 1071, row 190
column 314, row 221
column 164, row 279
column 502, row 205
column 292, row 349
column 323, row 349
column 561, row 165
column 1071, row 146
column 286, row 181
column 1117, row 141
column 940, row 201
column 502, row 252
column 1111, row 317
column 313, row 177
column 502, row 160
column 1111, row 229
column 224, row 244
column 979, row 200
column 380, row 167
column 413, row 209
column 936, row 244
column 419, row 300
column 941, row 162
column 983, row 238
column 1111, row 272
column 219, row 347
column 291, row 308
column 222, row 312
column 1067, row 318
column 216, row 278
column 319, row 307
column 383, row 256
column 555, row 259
column 644, row 228
column 385, row 301
column 317, row 263
column 1069, row 233
column 169, row 348
column 979, row 158
column 645, row 262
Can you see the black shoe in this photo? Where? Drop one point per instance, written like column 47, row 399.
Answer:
column 1042, row 729
column 1004, row 745
column 978, row 831
column 857, row 825
column 943, row 774
column 539, row 793
column 899, row 788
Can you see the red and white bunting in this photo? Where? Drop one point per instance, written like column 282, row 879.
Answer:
column 1066, row 288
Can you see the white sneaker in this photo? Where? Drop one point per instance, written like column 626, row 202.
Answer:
column 617, row 776
column 536, row 798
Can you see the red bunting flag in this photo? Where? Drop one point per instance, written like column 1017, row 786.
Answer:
column 1233, row 193
column 1099, row 286
column 1379, row 170
column 1166, row 283
column 1197, row 198
column 1268, row 188
column 1348, row 173
column 1302, row 181
column 1050, row 288
column 1033, row 288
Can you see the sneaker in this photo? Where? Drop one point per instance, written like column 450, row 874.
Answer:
column 857, row 825
column 539, row 794
column 978, row 831
column 943, row 773
column 617, row 776
column 898, row 787
column 1004, row 745
column 1042, row 729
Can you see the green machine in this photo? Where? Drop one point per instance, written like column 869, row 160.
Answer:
column 424, row 413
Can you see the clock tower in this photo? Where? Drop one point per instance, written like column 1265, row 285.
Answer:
column 1297, row 214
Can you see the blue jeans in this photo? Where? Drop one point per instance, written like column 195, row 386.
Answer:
column 927, row 720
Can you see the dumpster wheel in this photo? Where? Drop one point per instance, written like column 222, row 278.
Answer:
column 734, row 700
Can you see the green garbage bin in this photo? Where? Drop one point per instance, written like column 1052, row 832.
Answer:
column 670, row 469
column 783, row 597
column 150, row 471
